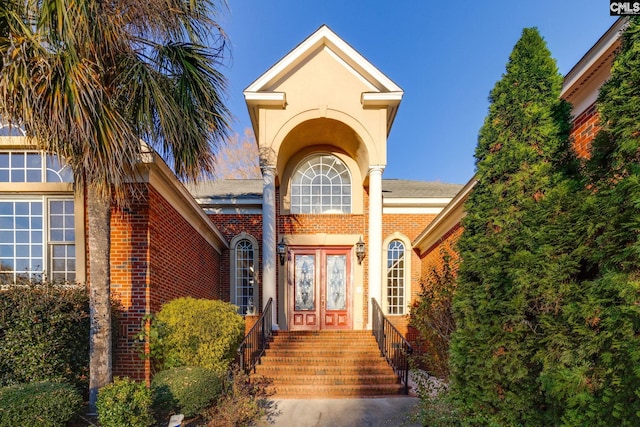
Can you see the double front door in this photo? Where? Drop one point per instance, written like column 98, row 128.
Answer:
column 319, row 288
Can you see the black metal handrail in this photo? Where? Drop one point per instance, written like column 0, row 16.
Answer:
column 393, row 346
column 255, row 342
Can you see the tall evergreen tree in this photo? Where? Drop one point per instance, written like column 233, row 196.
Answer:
column 514, row 248
column 598, row 382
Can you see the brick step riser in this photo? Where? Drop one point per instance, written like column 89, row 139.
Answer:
column 341, row 333
column 315, row 348
column 323, row 338
column 336, row 380
column 298, row 391
column 323, row 344
column 330, row 361
column 273, row 370
column 344, row 354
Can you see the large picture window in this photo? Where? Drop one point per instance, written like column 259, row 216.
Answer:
column 37, row 229
column 37, row 239
column 321, row 184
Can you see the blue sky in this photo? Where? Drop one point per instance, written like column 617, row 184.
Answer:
column 446, row 56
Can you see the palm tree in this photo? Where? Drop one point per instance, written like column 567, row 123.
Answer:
column 90, row 79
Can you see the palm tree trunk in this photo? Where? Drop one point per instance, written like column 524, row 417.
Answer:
column 100, row 356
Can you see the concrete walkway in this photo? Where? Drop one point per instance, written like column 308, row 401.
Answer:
column 366, row 412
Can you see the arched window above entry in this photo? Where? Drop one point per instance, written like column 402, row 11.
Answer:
column 321, row 184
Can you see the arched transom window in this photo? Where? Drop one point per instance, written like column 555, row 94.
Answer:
column 321, row 184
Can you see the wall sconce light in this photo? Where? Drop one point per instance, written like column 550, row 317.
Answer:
column 360, row 250
column 282, row 250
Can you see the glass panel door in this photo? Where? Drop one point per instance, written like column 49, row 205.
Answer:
column 319, row 289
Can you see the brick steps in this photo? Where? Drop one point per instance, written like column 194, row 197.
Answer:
column 327, row 364
column 336, row 391
column 283, row 370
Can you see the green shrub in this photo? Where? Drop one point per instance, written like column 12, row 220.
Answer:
column 187, row 389
column 432, row 316
column 124, row 402
column 44, row 334
column 40, row 404
column 196, row 332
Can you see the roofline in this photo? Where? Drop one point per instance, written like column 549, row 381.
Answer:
column 323, row 35
column 582, row 68
column 161, row 175
column 389, row 96
column 446, row 220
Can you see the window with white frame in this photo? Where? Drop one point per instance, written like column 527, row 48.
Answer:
column 244, row 281
column 37, row 238
column 37, row 230
column 396, row 277
column 33, row 166
column 321, row 184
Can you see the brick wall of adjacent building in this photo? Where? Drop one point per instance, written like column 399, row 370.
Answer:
column 433, row 260
column 585, row 128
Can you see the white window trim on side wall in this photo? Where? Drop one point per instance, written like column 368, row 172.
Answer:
column 47, row 191
column 407, row 272
column 232, row 268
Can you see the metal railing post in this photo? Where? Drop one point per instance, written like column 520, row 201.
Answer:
column 256, row 340
column 393, row 346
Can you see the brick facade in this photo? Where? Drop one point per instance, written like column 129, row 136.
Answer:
column 156, row 256
column 585, row 128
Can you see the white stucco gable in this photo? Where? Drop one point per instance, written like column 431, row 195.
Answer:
column 376, row 89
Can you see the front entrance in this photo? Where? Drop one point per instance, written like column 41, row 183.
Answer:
column 319, row 288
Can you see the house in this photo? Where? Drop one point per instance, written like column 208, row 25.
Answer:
column 321, row 234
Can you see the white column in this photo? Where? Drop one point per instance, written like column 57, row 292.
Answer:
column 269, row 266
column 375, row 237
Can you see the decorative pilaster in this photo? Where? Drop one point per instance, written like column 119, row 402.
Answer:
column 375, row 237
column 269, row 266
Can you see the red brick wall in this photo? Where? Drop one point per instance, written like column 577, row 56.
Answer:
column 432, row 258
column 156, row 256
column 129, row 262
column 585, row 128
